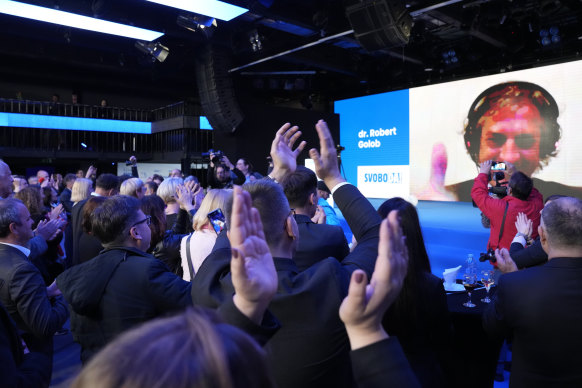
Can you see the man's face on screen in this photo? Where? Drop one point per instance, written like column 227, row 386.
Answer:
column 511, row 132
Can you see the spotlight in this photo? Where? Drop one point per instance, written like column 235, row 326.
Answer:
column 256, row 41
column 156, row 50
column 550, row 36
column 450, row 57
column 195, row 22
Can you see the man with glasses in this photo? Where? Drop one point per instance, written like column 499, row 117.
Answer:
column 123, row 286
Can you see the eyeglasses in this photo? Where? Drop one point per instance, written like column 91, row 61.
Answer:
column 147, row 220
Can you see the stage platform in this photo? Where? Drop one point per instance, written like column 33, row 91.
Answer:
column 451, row 230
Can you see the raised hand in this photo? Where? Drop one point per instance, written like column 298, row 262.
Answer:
column 253, row 272
column 485, row 167
column 364, row 307
column 56, row 211
column 282, row 152
column 326, row 164
column 184, row 197
column 523, row 224
column 504, row 261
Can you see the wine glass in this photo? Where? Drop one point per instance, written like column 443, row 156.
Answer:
column 488, row 281
column 470, row 283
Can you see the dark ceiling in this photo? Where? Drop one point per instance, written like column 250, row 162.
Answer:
column 487, row 36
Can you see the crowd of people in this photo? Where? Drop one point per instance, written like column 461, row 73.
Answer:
column 161, row 293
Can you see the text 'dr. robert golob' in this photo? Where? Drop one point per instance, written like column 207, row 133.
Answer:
column 374, row 133
column 384, row 181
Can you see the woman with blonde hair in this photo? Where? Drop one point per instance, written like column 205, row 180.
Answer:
column 200, row 242
column 133, row 187
column 82, row 189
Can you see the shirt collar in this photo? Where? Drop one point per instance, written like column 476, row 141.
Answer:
column 22, row 249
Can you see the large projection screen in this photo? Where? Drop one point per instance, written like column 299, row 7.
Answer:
column 411, row 143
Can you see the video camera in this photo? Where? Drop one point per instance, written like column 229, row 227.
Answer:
column 217, row 159
column 488, row 256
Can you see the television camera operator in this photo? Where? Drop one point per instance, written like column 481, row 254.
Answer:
column 222, row 174
column 502, row 210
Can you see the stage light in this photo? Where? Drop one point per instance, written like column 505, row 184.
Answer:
column 156, row 50
column 195, row 22
column 54, row 16
column 83, row 145
column 256, row 41
column 213, row 8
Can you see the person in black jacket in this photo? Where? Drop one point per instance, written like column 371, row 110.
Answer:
column 222, row 174
column 21, row 367
column 317, row 240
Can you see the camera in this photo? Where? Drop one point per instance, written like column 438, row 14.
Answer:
column 217, row 156
column 488, row 256
column 128, row 163
column 500, row 189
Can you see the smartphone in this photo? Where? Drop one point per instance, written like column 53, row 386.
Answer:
column 217, row 220
column 498, row 166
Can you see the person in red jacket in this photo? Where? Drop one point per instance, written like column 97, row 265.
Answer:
column 521, row 197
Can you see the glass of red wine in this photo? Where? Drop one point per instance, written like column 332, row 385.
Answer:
column 470, row 283
column 488, row 281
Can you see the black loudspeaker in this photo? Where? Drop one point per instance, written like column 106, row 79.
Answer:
column 216, row 90
column 380, row 24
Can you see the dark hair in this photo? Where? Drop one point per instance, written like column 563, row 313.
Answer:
column 47, row 191
column 157, row 177
column 107, row 182
column 69, row 177
column 299, row 185
column 191, row 350
column 562, row 220
column 154, row 206
column 247, row 163
column 8, row 214
column 521, row 185
column 152, row 186
column 418, row 262
column 268, row 198
column 539, row 97
column 87, row 212
column 113, row 219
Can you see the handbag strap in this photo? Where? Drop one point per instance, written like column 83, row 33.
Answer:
column 502, row 224
column 189, row 257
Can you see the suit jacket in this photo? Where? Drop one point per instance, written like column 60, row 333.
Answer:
column 530, row 256
column 317, row 242
column 23, row 293
column 540, row 308
column 311, row 349
column 32, row 370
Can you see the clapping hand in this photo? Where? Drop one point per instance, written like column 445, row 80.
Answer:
column 319, row 217
column 253, row 272
column 56, row 212
column 326, row 164
column 282, row 152
column 523, row 224
column 364, row 307
column 504, row 261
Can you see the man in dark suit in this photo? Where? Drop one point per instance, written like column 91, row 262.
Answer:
column 539, row 307
column 38, row 311
column 317, row 241
column 312, row 348
column 106, row 185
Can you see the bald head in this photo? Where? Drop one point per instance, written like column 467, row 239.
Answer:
column 561, row 222
column 5, row 180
